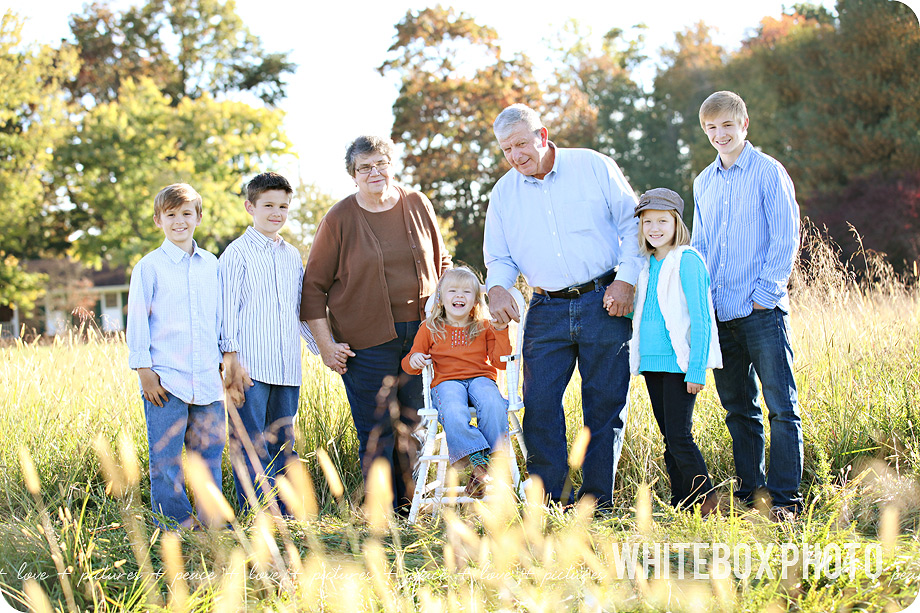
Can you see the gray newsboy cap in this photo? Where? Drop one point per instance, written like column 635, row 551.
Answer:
column 660, row 199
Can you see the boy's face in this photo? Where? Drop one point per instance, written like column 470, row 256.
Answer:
column 727, row 134
column 269, row 211
column 179, row 224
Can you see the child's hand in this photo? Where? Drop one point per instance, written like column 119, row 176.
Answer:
column 694, row 388
column 150, row 383
column 419, row 361
column 236, row 379
column 498, row 327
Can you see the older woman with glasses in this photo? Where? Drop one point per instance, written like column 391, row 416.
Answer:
column 376, row 258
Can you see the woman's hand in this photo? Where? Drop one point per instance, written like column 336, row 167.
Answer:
column 694, row 388
column 335, row 356
column 419, row 361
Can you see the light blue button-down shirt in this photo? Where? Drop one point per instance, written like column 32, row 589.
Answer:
column 174, row 307
column 746, row 225
column 261, row 280
column 568, row 228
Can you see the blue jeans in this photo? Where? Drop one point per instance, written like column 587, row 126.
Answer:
column 453, row 398
column 560, row 332
column 673, row 409
column 759, row 344
column 267, row 417
column 384, row 403
column 203, row 430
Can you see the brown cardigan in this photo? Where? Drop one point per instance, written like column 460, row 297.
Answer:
column 344, row 272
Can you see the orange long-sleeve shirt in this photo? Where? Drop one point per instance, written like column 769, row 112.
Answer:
column 454, row 359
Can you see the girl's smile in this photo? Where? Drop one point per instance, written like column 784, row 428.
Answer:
column 658, row 228
column 458, row 302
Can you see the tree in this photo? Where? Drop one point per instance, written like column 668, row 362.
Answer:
column 126, row 150
column 33, row 119
column 308, row 206
column 454, row 82
column 155, row 84
column 188, row 48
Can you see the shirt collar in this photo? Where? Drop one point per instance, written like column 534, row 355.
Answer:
column 554, row 169
column 742, row 160
column 176, row 253
column 260, row 240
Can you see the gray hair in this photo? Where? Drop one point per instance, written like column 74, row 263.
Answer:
column 365, row 145
column 513, row 115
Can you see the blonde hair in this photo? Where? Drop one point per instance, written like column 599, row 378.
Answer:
column 175, row 195
column 681, row 232
column 437, row 319
column 723, row 102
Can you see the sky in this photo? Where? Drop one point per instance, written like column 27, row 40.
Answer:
column 337, row 93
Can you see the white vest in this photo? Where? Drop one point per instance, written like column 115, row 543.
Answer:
column 673, row 305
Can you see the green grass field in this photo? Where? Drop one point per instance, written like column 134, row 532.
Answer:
column 76, row 534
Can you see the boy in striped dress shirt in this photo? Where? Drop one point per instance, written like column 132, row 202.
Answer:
column 746, row 226
column 261, row 276
column 173, row 326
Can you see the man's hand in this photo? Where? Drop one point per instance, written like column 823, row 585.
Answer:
column 150, row 384
column 418, row 361
column 502, row 306
column 236, row 379
column 335, row 355
column 618, row 299
column 694, row 388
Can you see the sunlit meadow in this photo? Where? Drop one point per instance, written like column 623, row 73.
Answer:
column 76, row 530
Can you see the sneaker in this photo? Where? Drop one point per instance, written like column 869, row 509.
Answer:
column 479, row 481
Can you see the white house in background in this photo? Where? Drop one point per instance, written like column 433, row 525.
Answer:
column 74, row 296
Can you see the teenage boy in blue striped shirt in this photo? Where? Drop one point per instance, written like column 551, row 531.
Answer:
column 261, row 277
column 746, row 226
column 173, row 325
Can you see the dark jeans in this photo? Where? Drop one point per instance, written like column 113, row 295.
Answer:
column 560, row 332
column 759, row 344
column 673, row 409
column 384, row 403
column 267, row 415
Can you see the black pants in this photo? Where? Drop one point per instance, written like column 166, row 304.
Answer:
column 673, row 408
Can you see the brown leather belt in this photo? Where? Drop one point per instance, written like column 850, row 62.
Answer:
column 577, row 290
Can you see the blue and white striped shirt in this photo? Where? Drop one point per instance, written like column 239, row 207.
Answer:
column 568, row 228
column 746, row 225
column 261, row 280
column 174, row 307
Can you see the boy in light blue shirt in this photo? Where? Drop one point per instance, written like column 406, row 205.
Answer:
column 746, row 226
column 174, row 306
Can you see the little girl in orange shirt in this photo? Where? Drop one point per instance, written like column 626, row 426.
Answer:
column 466, row 349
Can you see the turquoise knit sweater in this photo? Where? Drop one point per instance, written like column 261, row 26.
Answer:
column 655, row 350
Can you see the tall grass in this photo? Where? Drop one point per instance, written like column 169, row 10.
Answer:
column 76, row 531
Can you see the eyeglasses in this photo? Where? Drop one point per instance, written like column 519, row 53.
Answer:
column 367, row 168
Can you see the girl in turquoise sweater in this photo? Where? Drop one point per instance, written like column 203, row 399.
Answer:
column 674, row 340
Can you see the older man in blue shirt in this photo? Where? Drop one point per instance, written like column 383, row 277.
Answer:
column 746, row 225
column 564, row 219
